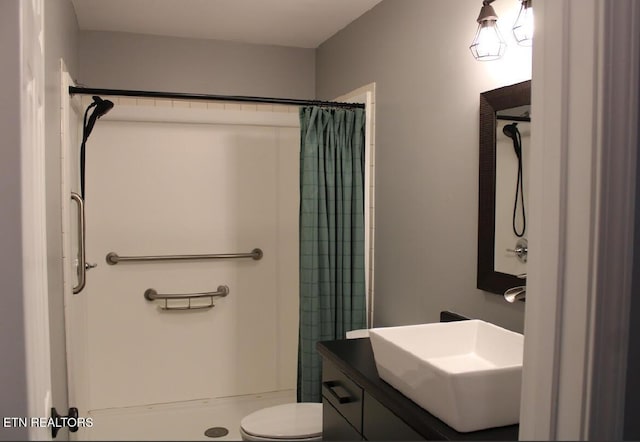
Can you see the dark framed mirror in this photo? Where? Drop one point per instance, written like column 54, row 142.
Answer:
column 497, row 266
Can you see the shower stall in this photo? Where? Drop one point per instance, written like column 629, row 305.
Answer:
column 165, row 178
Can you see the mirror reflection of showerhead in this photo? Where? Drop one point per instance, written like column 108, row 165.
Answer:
column 511, row 130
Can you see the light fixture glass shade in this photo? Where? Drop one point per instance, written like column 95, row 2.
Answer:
column 488, row 43
column 523, row 27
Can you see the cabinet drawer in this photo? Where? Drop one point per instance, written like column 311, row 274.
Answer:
column 382, row 424
column 335, row 426
column 343, row 394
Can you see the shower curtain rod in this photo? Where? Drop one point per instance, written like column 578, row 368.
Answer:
column 182, row 96
column 513, row 118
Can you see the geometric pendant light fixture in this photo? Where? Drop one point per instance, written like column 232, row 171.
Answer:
column 488, row 43
column 523, row 27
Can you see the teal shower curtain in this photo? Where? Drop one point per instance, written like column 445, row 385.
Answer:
column 332, row 274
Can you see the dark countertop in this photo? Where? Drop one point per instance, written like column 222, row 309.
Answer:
column 355, row 358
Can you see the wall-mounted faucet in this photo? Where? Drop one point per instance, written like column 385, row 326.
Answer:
column 517, row 293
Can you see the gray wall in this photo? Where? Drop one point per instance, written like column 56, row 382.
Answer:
column 13, row 382
column 427, row 105
column 632, row 401
column 61, row 41
column 143, row 62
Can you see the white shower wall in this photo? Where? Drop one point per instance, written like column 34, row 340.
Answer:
column 165, row 178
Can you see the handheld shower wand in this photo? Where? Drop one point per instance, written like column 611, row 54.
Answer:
column 101, row 107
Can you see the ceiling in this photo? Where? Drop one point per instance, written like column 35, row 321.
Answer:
column 297, row 23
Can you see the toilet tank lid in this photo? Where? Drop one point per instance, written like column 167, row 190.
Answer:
column 297, row 420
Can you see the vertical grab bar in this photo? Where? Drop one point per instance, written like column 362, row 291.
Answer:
column 82, row 268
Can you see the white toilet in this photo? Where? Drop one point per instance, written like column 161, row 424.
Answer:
column 296, row 421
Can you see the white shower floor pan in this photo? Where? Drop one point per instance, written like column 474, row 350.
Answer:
column 179, row 420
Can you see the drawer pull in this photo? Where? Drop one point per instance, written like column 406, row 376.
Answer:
column 338, row 392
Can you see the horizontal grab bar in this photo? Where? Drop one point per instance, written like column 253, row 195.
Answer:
column 152, row 295
column 113, row 258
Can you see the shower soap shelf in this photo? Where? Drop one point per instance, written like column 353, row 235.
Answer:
column 153, row 295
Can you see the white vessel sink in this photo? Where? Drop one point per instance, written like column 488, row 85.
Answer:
column 466, row 373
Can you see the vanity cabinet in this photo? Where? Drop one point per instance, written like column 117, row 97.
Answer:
column 358, row 405
column 351, row 413
column 381, row 424
column 342, row 401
